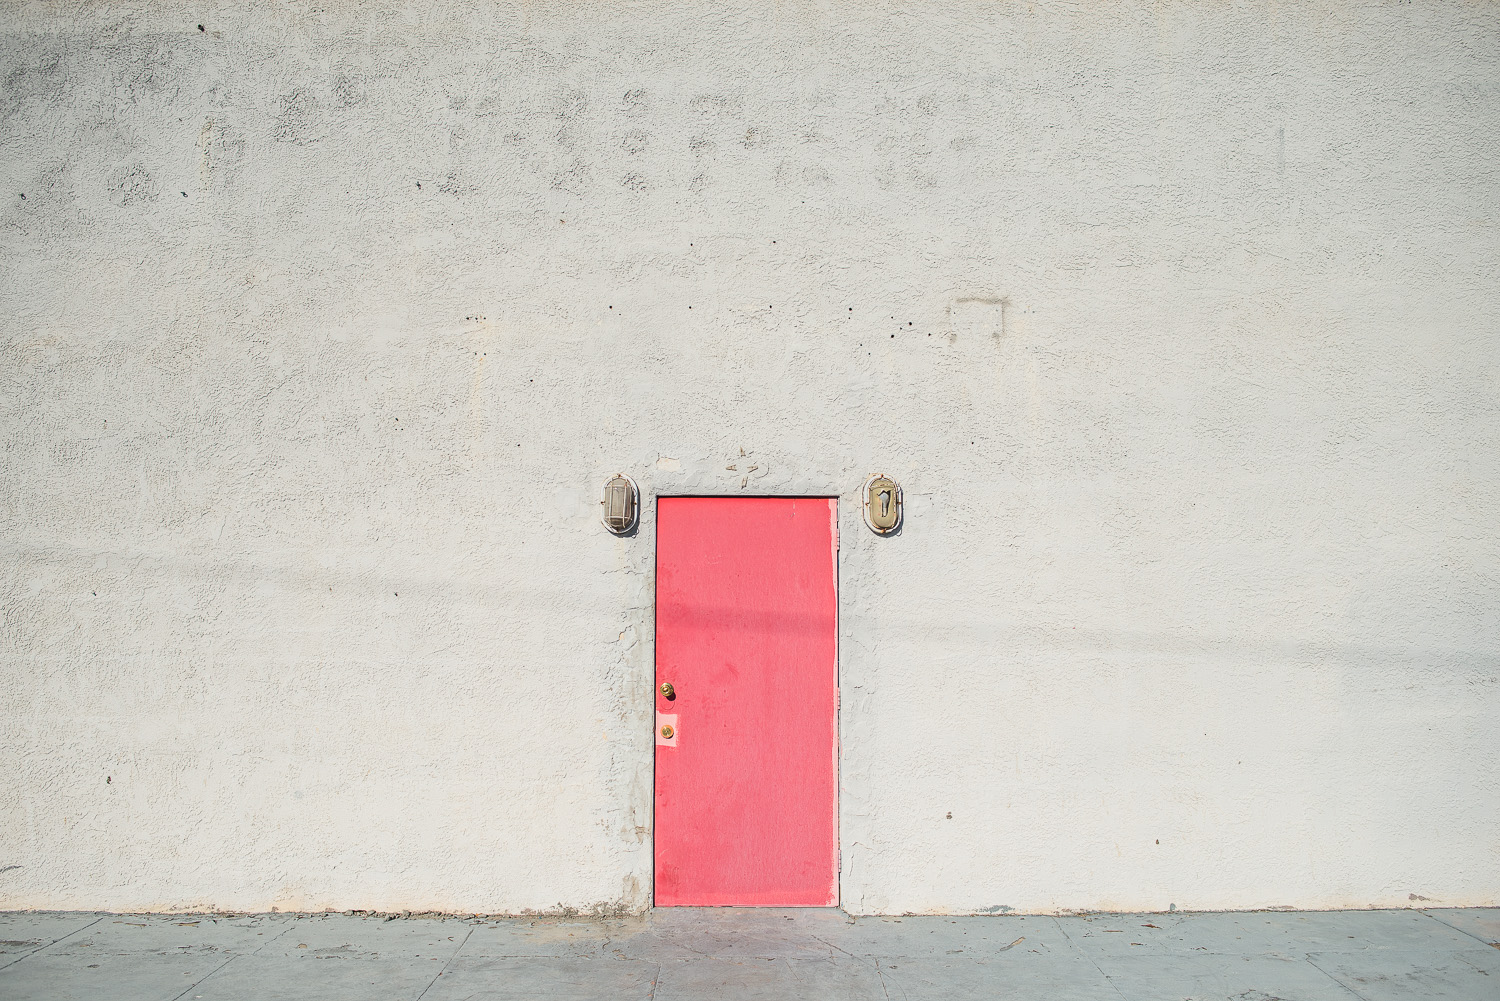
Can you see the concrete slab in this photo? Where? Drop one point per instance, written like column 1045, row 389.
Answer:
column 309, row 978
column 515, row 979
column 1391, row 975
column 768, row 979
column 1482, row 923
column 142, row 976
column 1293, row 933
column 732, row 933
column 1055, row 976
column 557, row 938
column 1204, row 976
column 975, row 937
column 357, row 937
column 25, row 932
column 127, row 957
column 132, row 934
column 735, row 955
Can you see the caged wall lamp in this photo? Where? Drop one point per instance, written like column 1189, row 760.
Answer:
column 621, row 504
column 882, row 504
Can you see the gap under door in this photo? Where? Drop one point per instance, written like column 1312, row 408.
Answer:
column 746, row 701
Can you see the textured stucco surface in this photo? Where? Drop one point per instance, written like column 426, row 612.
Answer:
column 320, row 328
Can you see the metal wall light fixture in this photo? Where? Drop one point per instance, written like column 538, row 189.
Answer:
column 882, row 504
column 621, row 504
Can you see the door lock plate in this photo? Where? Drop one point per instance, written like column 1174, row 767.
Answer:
column 666, row 730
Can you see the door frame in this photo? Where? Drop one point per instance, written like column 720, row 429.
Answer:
column 838, row 666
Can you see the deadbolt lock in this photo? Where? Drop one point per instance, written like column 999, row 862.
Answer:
column 667, row 691
column 667, row 731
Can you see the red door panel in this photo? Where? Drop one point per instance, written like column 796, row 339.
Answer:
column 747, row 635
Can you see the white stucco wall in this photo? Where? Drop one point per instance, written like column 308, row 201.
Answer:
column 321, row 329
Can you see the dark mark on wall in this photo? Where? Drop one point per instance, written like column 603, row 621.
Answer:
column 297, row 107
column 133, row 186
column 348, row 91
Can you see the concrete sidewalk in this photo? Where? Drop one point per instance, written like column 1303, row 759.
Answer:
column 729, row 955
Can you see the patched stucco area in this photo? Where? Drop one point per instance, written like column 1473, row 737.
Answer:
column 321, row 328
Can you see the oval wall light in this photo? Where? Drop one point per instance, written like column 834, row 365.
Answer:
column 621, row 504
column 882, row 504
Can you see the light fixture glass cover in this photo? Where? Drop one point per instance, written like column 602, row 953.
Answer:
column 620, row 504
column 882, row 504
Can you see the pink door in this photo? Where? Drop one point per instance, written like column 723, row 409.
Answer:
column 747, row 741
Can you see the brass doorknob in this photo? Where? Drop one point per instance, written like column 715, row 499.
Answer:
column 667, row 691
